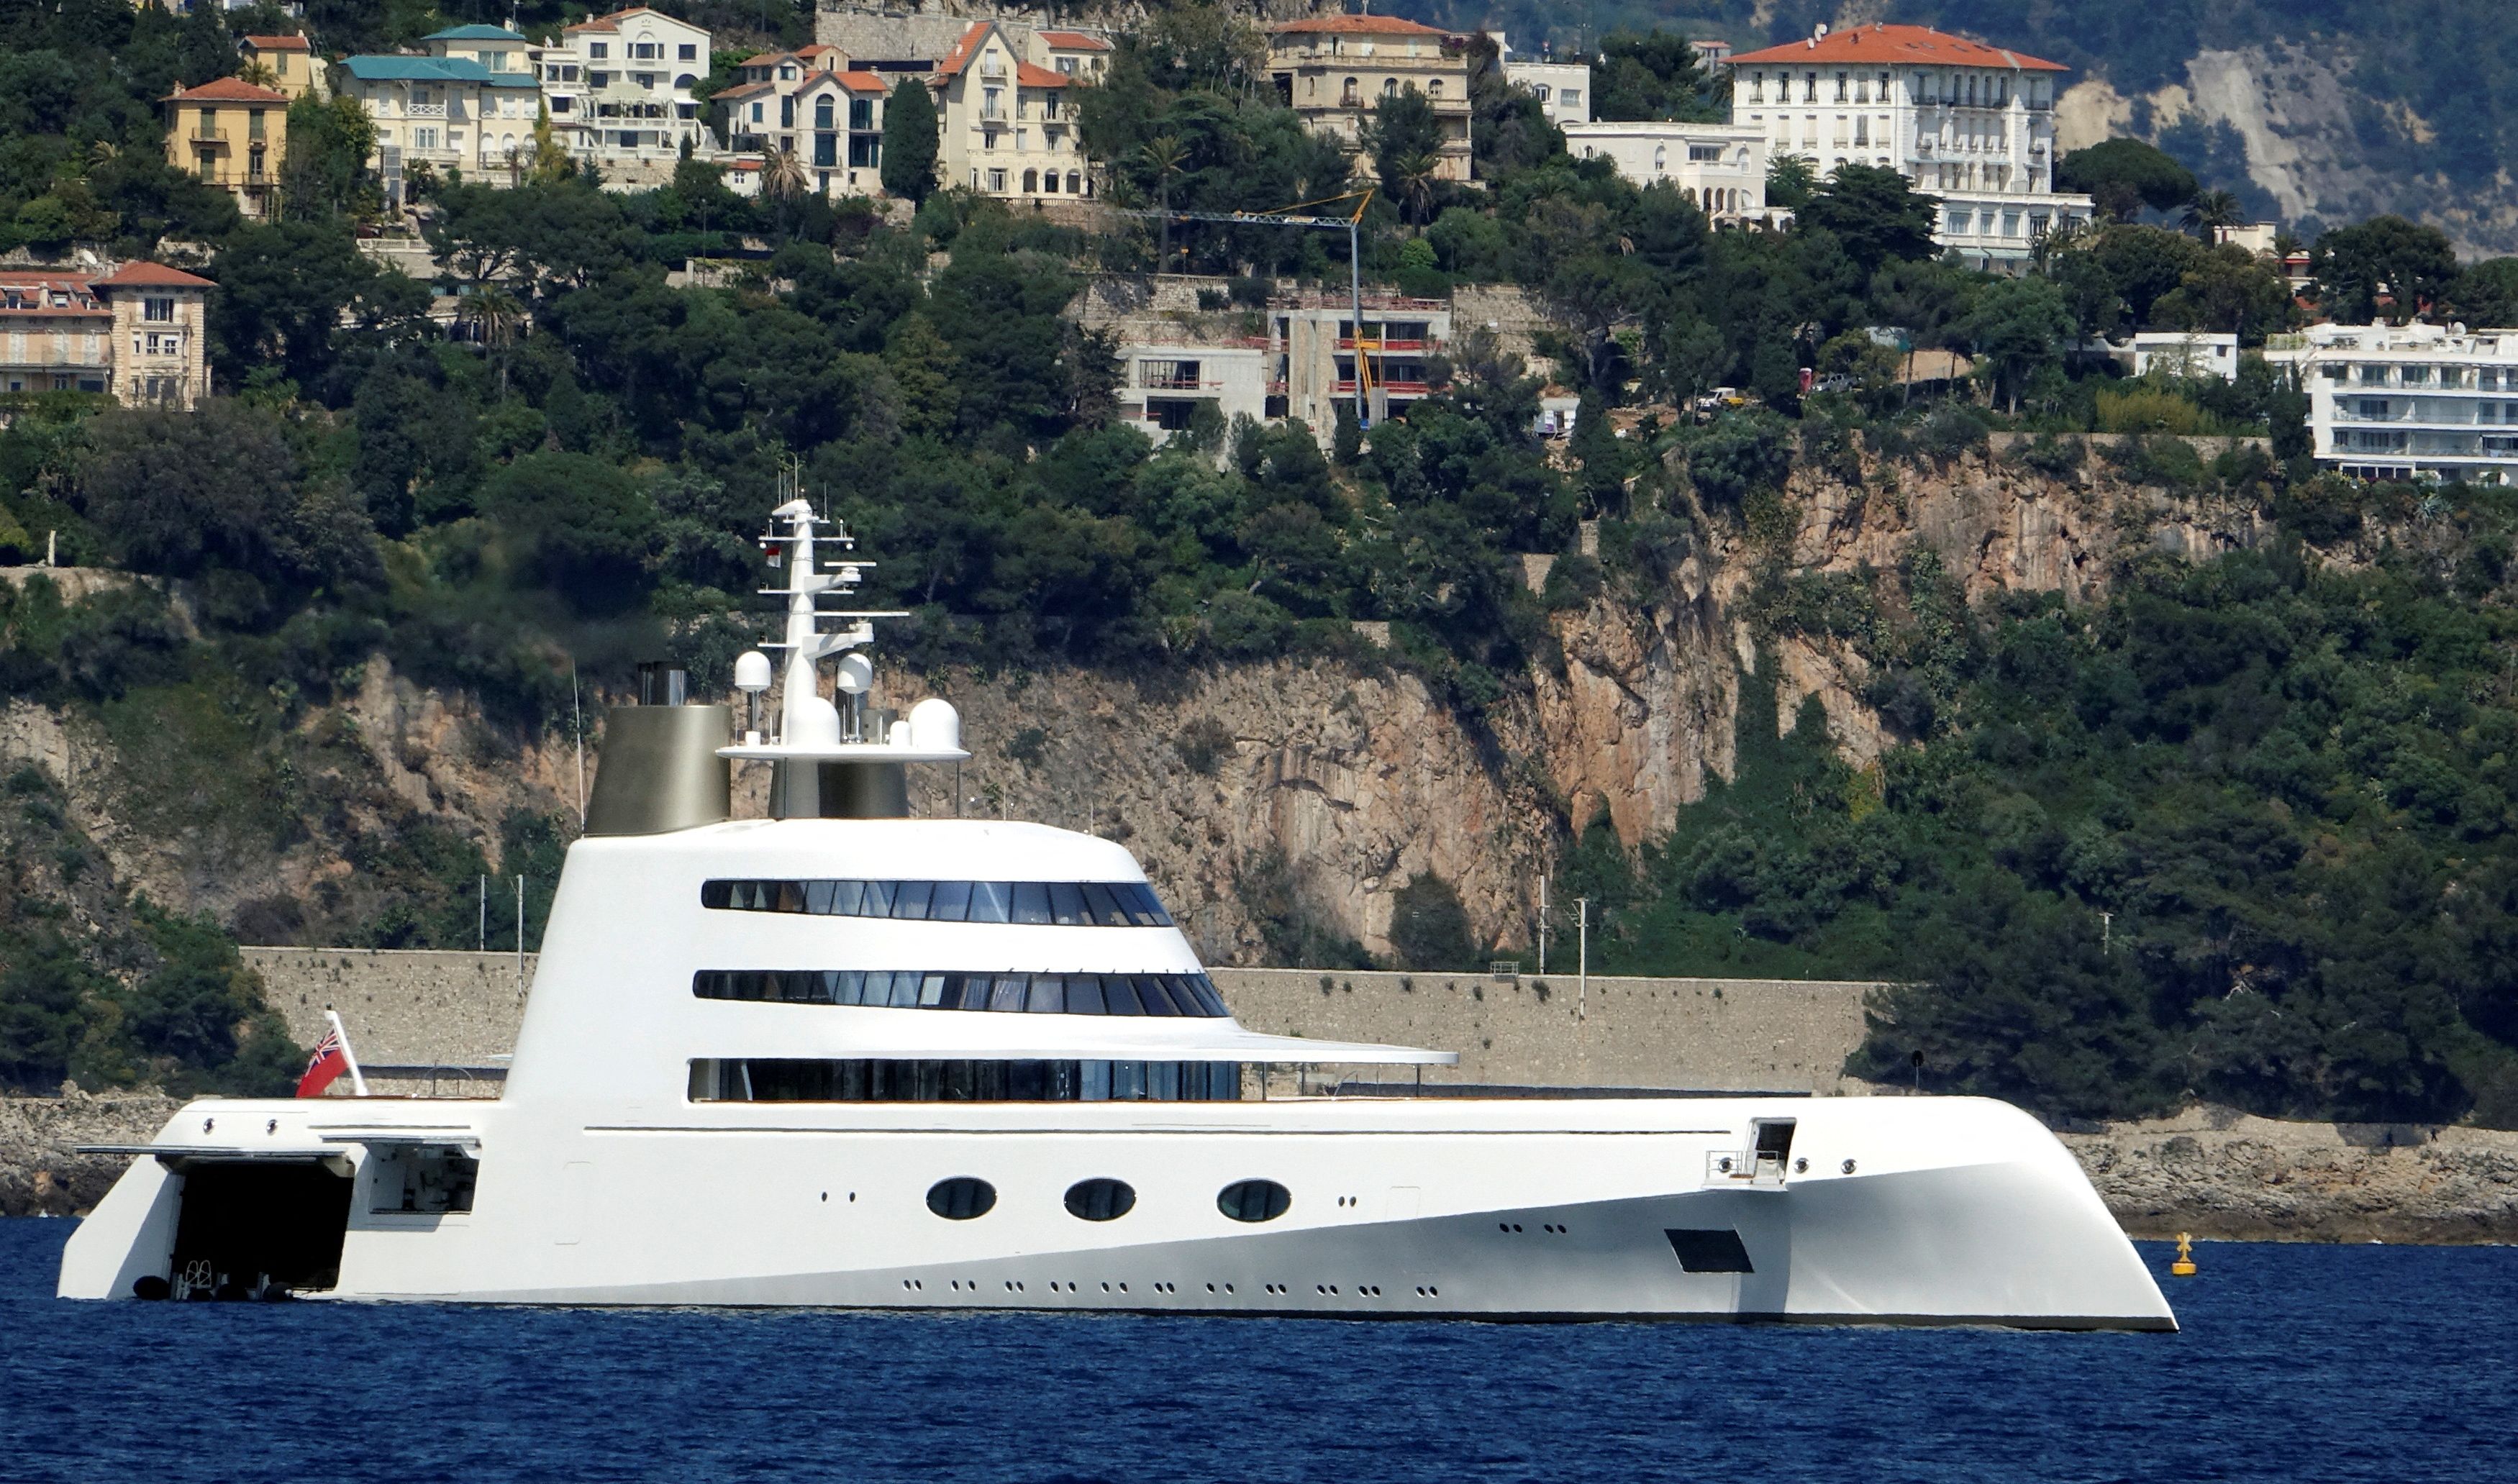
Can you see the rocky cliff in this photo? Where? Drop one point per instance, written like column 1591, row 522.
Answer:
column 1336, row 779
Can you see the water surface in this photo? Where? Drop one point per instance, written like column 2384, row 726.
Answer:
column 2296, row 1363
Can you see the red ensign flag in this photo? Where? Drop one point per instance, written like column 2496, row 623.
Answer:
column 329, row 1060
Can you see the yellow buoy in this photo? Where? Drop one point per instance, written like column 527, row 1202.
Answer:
column 2184, row 1266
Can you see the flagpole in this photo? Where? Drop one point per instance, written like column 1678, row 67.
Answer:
column 357, row 1082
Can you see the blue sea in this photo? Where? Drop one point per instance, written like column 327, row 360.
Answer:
column 2296, row 1363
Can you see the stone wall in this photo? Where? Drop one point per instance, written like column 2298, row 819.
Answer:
column 411, row 1008
column 1771, row 1034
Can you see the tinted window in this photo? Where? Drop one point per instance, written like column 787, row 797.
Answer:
column 961, row 1198
column 1093, row 903
column 1715, row 1251
column 1172, row 995
column 866, row 1080
column 1253, row 1201
column 1100, row 1200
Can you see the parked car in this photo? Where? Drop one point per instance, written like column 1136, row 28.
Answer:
column 1721, row 398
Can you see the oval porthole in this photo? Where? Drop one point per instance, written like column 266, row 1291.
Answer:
column 961, row 1198
column 1253, row 1201
column 1100, row 1200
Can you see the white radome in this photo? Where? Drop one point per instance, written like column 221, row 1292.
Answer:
column 856, row 1059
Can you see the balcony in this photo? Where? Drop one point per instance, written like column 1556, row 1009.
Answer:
column 423, row 110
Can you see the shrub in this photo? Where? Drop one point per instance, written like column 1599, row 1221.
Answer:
column 1429, row 929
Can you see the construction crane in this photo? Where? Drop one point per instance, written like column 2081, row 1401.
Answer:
column 1352, row 223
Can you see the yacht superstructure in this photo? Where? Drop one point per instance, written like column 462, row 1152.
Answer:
column 842, row 1056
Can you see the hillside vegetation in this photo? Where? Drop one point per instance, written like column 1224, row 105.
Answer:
column 2283, row 772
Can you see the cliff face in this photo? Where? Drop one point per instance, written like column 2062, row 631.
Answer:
column 1344, row 780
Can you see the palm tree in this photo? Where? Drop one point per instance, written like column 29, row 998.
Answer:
column 259, row 73
column 1166, row 156
column 2211, row 210
column 1416, row 175
column 493, row 315
column 782, row 179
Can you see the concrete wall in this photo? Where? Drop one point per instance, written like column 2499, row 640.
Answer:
column 463, row 1010
column 1775, row 1034
column 403, row 1007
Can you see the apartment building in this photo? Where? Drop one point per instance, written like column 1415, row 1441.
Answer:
column 138, row 333
column 2413, row 401
column 1079, row 55
column 1006, row 126
column 1971, row 124
column 295, row 71
column 446, row 113
column 810, row 102
column 1720, row 168
column 1311, row 356
column 232, row 135
column 1332, row 70
column 1164, row 382
column 620, row 88
column 1563, row 88
column 56, row 333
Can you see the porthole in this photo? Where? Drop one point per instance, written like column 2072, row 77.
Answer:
column 1100, row 1200
column 961, row 1198
column 1254, row 1201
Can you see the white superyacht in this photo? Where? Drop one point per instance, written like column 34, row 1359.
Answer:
column 846, row 1056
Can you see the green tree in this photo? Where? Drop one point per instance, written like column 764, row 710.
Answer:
column 2486, row 293
column 1429, row 929
column 2016, row 329
column 1405, row 138
column 1652, row 75
column 325, row 173
column 1875, row 213
column 2125, row 175
column 2211, row 210
column 2386, row 265
column 1790, row 181
column 909, row 131
column 204, row 52
column 2230, row 289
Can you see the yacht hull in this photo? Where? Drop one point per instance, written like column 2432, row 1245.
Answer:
column 1887, row 1210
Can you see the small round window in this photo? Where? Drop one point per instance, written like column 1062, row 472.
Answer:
column 1253, row 1201
column 1100, row 1200
column 961, row 1198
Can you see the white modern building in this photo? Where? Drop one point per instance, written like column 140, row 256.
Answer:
column 1719, row 167
column 620, row 91
column 2409, row 402
column 2186, row 353
column 1166, row 382
column 1969, row 123
column 1563, row 88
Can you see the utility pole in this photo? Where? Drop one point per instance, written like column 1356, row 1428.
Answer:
column 520, row 931
column 484, row 944
column 1583, row 962
column 2107, row 931
column 1543, row 925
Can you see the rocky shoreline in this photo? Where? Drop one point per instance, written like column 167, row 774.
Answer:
column 2211, row 1172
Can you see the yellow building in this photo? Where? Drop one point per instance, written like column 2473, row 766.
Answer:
column 232, row 135
column 294, row 67
column 1332, row 70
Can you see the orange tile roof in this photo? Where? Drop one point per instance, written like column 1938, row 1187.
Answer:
column 1027, row 75
column 766, row 59
column 862, row 82
column 1898, row 45
column 959, row 57
column 147, row 275
column 1356, row 26
column 605, row 22
column 226, row 90
column 278, row 43
column 1073, row 41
